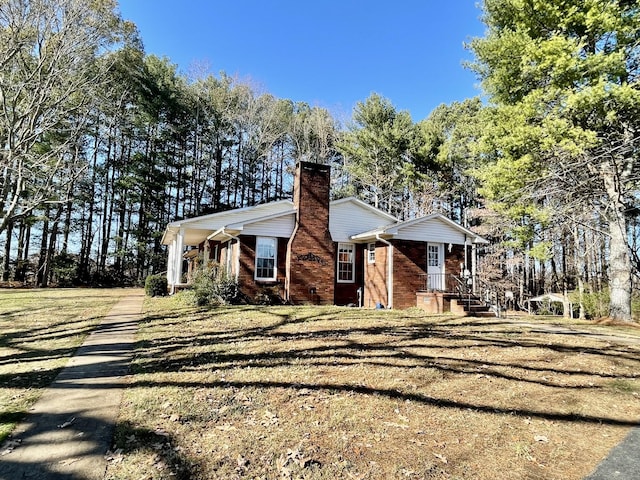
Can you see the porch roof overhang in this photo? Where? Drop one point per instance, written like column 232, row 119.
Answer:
column 192, row 236
column 196, row 230
column 223, row 234
column 372, row 235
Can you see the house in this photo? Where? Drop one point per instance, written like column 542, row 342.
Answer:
column 313, row 250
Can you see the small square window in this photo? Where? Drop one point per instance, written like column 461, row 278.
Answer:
column 371, row 252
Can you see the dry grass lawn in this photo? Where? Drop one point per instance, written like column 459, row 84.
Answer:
column 333, row 393
column 39, row 331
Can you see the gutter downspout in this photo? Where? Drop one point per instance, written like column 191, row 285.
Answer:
column 389, row 270
column 287, row 268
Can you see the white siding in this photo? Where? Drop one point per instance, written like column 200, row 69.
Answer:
column 219, row 220
column 197, row 229
column 349, row 218
column 432, row 230
column 275, row 227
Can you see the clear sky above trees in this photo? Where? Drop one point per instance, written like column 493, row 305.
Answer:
column 332, row 53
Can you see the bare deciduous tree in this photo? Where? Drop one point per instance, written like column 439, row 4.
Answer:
column 49, row 69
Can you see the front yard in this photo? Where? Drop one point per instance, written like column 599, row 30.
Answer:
column 39, row 330
column 327, row 393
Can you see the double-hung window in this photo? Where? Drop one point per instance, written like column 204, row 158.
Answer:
column 346, row 262
column 266, row 258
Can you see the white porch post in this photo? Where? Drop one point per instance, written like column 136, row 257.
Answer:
column 178, row 259
column 170, row 256
column 474, row 259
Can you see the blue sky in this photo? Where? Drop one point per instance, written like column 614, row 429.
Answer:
column 328, row 53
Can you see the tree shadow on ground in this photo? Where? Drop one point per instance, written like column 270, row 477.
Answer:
column 89, row 438
column 130, row 439
column 416, row 344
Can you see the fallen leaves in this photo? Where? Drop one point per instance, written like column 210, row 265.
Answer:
column 293, row 458
column 9, row 446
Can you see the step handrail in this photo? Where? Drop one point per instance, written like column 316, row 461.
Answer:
column 491, row 293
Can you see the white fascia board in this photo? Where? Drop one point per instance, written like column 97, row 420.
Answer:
column 169, row 234
column 371, row 235
column 224, row 233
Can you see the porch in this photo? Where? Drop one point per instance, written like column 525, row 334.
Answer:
column 449, row 293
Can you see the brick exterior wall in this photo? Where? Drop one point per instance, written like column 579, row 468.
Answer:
column 310, row 251
column 453, row 259
column 347, row 293
column 409, row 262
column 375, row 276
column 246, row 277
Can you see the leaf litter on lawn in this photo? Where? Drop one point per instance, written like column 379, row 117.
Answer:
column 328, row 392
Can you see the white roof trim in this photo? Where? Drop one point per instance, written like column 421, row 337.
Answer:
column 187, row 221
column 174, row 227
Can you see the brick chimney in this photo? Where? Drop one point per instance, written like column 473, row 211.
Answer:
column 310, row 251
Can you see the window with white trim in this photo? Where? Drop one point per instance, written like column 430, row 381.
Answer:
column 346, row 262
column 266, row 258
column 371, row 252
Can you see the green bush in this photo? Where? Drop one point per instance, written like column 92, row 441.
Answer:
column 155, row 285
column 213, row 286
column 65, row 269
column 596, row 304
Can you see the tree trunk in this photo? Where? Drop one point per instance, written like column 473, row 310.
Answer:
column 47, row 274
column 619, row 258
column 6, row 270
column 20, row 257
column 67, row 228
column 580, row 268
column 41, row 280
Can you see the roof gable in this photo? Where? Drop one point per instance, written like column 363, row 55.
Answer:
column 198, row 228
column 430, row 228
column 350, row 216
column 434, row 228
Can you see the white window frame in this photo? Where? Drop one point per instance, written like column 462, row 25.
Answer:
column 347, row 247
column 371, row 252
column 274, row 242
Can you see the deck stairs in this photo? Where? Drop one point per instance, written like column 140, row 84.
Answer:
column 471, row 306
column 466, row 302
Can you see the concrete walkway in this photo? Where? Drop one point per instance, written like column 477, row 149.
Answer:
column 623, row 461
column 69, row 430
